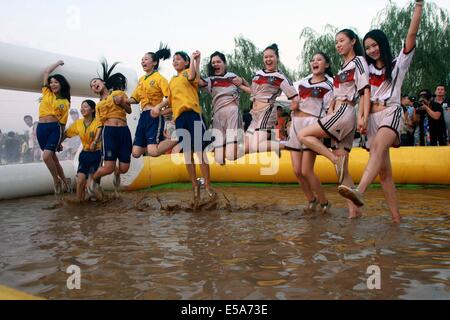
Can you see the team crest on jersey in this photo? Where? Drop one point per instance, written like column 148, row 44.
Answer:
column 271, row 80
column 91, row 135
column 61, row 106
column 152, row 83
column 316, row 92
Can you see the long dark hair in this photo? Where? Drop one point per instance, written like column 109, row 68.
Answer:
column 64, row 92
column 357, row 47
column 91, row 104
column 185, row 57
column 327, row 60
column 163, row 53
column 385, row 50
column 116, row 81
column 210, row 67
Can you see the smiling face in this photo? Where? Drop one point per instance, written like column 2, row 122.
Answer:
column 318, row 65
column 179, row 64
column 86, row 110
column 344, row 45
column 270, row 60
column 372, row 49
column 218, row 65
column 97, row 86
column 54, row 85
column 147, row 63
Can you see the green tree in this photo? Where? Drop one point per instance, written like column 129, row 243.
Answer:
column 244, row 61
column 431, row 63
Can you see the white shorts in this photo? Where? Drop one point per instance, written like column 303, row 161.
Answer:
column 263, row 120
column 298, row 124
column 391, row 117
column 341, row 126
column 227, row 121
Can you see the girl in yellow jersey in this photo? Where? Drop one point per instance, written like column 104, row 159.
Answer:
column 112, row 112
column 189, row 123
column 91, row 156
column 53, row 112
column 152, row 92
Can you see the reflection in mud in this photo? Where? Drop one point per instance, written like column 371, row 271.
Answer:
column 254, row 243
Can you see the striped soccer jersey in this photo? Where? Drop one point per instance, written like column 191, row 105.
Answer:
column 351, row 79
column 314, row 97
column 222, row 90
column 385, row 92
column 267, row 86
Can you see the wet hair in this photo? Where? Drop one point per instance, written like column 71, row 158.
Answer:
column 327, row 60
column 64, row 92
column 116, row 81
column 357, row 47
column 91, row 104
column 163, row 53
column 385, row 51
column 184, row 56
column 273, row 47
column 210, row 67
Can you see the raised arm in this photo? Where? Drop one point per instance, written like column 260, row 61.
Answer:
column 194, row 68
column 410, row 41
column 49, row 70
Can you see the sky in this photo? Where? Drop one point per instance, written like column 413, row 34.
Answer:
column 125, row 30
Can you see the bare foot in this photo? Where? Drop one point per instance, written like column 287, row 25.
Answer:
column 355, row 214
column 396, row 218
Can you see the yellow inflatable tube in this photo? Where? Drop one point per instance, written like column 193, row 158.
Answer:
column 11, row 294
column 410, row 165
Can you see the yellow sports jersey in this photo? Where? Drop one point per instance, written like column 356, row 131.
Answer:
column 107, row 109
column 51, row 105
column 184, row 94
column 151, row 90
column 86, row 134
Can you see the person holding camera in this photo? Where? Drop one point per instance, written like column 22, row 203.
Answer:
column 435, row 114
column 444, row 101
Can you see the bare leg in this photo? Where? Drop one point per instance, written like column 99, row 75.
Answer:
column 296, row 158
column 156, row 150
column 137, row 151
column 379, row 151
column 59, row 168
column 107, row 168
column 390, row 193
column 49, row 161
column 81, row 186
column 310, row 136
column 219, row 155
column 308, row 161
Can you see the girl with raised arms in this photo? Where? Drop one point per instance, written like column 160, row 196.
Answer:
column 386, row 115
column 111, row 112
column 223, row 86
column 350, row 83
column 190, row 127
column 151, row 93
column 53, row 113
column 315, row 94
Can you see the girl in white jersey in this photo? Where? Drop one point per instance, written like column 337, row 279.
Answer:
column 315, row 94
column 223, row 86
column 267, row 85
column 385, row 117
column 350, row 83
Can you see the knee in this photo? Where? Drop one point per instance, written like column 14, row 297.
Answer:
column 136, row 154
column 47, row 156
column 299, row 174
column 307, row 172
column 385, row 175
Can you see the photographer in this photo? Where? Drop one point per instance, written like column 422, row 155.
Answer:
column 409, row 113
column 442, row 100
column 435, row 115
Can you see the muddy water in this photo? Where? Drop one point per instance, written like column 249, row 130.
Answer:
column 257, row 244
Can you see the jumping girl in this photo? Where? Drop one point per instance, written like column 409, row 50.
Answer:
column 267, row 85
column 223, row 86
column 315, row 93
column 385, row 117
column 350, row 83
column 190, row 128
column 91, row 156
column 152, row 92
column 111, row 111
column 53, row 113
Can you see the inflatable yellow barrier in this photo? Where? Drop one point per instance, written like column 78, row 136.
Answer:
column 11, row 294
column 410, row 165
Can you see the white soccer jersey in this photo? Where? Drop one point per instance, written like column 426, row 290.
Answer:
column 267, row 86
column 389, row 92
column 222, row 90
column 315, row 98
column 351, row 79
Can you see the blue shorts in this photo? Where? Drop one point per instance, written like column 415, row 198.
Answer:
column 149, row 130
column 49, row 135
column 194, row 127
column 117, row 144
column 89, row 162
